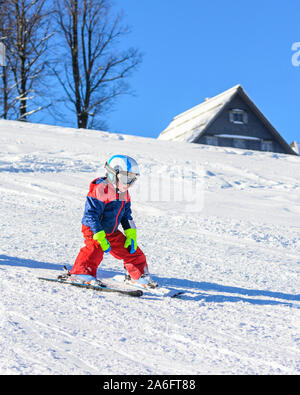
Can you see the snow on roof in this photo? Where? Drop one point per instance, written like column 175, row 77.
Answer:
column 296, row 147
column 188, row 125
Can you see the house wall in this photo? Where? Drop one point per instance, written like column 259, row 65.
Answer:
column 253, row 128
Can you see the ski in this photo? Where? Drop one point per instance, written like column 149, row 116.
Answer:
column 135, row 293
column 159, row 291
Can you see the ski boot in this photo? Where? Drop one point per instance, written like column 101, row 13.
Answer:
column 144, row 282
column 80, row 278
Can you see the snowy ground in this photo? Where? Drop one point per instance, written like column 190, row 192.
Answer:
column 237, row 252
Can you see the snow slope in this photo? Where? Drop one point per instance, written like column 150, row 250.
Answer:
column 237, row 252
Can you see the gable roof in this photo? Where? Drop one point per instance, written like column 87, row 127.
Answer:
column 192, row 124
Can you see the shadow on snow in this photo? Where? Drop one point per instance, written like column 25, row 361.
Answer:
column 195, row 291
column 198, row 291
column 30, row 263
column 229, row 293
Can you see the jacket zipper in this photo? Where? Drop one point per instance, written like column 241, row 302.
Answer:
column 117, row 218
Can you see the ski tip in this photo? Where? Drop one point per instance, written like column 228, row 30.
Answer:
column 136, row 293
column 177, row 294
column 139, row 292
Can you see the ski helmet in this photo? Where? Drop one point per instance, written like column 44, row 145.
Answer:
column 123, row 168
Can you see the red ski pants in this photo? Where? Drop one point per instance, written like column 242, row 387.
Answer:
column 91, row 255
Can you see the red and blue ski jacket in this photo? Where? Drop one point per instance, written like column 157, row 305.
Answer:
column 105, row 208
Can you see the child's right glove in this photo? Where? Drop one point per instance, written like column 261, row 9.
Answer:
column 101, row 238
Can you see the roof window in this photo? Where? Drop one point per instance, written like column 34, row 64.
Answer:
column 238, row 116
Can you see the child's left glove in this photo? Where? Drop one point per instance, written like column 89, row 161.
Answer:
column 130, row 243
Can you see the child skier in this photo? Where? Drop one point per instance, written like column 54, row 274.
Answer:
column 108, row 205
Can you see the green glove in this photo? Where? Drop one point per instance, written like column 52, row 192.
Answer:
column 130, row 243
column 101, row 238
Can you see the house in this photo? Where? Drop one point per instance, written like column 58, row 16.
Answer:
column 296, row 147
column 230, row 119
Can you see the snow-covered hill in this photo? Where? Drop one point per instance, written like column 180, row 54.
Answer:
column 233, row 242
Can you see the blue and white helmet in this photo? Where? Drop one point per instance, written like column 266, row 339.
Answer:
column 123, row 168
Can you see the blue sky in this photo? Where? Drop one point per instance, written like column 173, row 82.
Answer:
column 195, row 49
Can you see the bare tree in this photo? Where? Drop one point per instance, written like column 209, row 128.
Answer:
column 26, row 45
column 93, row 71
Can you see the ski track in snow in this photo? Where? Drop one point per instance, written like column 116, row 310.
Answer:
column 238, row 259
